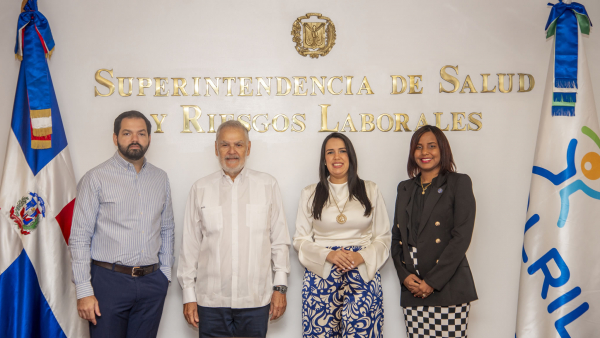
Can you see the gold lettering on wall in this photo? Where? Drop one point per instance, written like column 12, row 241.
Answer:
column 324, row 127
column 158, row 123
column 211, row 123
column 196, row 86
column 475, row 121
column 365, row 86
column 160, row 83
column 288, row 86
column 245, row 122
column 349, row 123
column 211, row 84
column 390, row 122
column 229, row 80
column 179, row 84
column 320, row 85
column 501, row 83
column 367, row 120
column 260, row 82
column 468, row 83
column 413, row 83
column 244, row 86
column 522, row 83
column 450, row 79
column 265, row 125
column 401, row 122
column 297, row 122
column 457, row 120
column 395, row 84
column 299, row 86
column 349, row 85
column 438, row 121
column 122, row 85
column 193, row 120
column 286, row 123
column 330, row 85
column 422, row 122
column 143, row 83
column 485, row 84
column 105, row 82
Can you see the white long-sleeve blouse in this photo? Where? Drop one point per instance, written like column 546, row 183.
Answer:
column 372, row 233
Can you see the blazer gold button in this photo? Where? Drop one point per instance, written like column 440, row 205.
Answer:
column 398, row 225
column 437, row 224
column 400, row 242
column 403, row 262
column 436, row 261
column 438, row 241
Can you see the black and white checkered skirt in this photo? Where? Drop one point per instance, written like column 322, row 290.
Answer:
column 435, row 321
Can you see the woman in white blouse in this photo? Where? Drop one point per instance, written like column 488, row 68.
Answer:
column 342, row 238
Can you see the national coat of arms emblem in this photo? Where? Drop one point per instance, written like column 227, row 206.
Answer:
column 28, row 212
column 313, row 38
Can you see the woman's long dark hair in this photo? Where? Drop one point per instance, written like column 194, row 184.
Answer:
column 356, row 186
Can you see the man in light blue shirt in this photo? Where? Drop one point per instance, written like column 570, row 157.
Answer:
column 122, row 237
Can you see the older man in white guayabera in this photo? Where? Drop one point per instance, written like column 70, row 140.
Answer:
column 234, row 236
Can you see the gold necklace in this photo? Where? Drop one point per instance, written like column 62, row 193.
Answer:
column 341, row 218
column 424, row 188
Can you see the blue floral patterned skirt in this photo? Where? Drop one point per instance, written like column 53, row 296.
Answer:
column 342, row 305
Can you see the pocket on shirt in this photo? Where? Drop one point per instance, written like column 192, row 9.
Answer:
column 257, row 215
column 212, row 218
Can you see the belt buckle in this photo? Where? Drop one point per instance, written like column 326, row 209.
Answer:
column 135, row 270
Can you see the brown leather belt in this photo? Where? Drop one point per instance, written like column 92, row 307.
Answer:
column 133, row 271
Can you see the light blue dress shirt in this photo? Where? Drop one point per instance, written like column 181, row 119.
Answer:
column 121, row 216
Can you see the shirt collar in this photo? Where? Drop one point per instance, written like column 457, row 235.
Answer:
column 121, row 162
column 240, row 177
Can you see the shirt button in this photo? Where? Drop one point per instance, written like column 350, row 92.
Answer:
column 438, row 241
column 141, row 213
column 437, row 224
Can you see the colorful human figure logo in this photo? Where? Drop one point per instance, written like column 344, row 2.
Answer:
column 590, row 167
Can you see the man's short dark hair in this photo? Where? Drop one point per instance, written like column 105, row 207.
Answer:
column 132, row 114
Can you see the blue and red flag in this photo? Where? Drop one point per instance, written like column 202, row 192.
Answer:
column 37, row 195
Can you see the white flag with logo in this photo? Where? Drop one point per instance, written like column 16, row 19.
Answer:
column 559, row 293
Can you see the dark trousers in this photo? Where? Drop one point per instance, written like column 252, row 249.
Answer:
column 129, row 306
column 227, row 322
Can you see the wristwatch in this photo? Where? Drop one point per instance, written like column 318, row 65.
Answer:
column 280, row 288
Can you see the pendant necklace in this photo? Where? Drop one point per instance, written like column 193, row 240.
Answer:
column 424, row 188
column 341, row 218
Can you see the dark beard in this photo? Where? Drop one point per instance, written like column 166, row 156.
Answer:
column 133, row 154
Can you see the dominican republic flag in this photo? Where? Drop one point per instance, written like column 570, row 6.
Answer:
column 559, row 293
column 37, row 195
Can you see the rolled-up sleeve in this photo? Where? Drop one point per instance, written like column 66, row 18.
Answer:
column 311, row 255
column 87, row 205
column 190, row 248
column 280, row 239
column 376, row 253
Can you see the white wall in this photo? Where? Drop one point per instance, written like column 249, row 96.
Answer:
column 185, row 38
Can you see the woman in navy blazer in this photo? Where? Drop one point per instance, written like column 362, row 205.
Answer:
column 433, row 225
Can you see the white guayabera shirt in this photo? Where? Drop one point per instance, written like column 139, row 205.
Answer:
column 234, row 237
